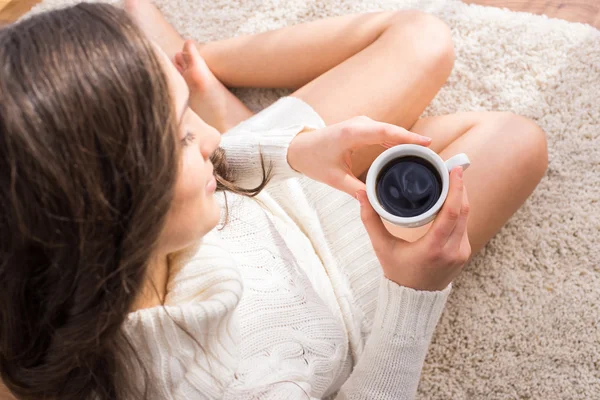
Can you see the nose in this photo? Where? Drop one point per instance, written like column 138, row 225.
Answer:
column 210, row 141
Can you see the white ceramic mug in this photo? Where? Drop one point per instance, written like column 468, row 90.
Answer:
column 404, row 150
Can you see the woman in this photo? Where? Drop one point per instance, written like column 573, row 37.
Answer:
column 115, row 283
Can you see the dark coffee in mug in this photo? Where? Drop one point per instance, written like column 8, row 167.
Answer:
column 408, row 186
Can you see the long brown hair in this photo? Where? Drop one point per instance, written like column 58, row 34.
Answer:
column 88, row 161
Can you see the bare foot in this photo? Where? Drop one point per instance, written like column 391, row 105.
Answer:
column 207, row 94
column 209, row 98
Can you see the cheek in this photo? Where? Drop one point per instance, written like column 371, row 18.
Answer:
column 191, row 184
column 193, row 212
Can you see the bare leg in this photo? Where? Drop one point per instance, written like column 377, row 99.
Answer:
column 508, row 155
column 408, row 51
column 386, row 65
column 289, row 57
column 210, row 99
column 391, row 80
column 292, row 56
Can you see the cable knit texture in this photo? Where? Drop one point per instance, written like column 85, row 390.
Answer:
column 285, row 300
column 522, row 321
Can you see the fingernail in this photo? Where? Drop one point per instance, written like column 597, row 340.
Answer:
column 427, row 139
column 459, row 173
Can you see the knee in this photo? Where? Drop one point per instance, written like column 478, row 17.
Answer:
column 530, row 152
column 430, row 36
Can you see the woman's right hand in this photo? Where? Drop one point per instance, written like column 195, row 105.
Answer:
column 433, row 261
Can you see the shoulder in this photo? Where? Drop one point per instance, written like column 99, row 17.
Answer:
column 194, row 338
column 185, row 349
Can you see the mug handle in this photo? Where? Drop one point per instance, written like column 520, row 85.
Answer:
column 458, row 160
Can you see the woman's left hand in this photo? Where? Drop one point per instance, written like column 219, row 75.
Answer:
column 325, row 154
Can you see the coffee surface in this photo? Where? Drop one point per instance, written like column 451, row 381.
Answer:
column 408, row 186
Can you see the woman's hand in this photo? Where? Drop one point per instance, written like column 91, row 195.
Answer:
column 325, row 154
column 434, row 260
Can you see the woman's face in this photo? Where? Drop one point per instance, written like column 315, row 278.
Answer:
column 194, row 210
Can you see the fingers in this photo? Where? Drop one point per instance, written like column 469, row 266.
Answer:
column 379, row 235
column 449, row 215
column 363, row 131
column 350, row 184
column 457, row 236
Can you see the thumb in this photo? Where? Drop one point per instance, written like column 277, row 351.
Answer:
column 381, row 238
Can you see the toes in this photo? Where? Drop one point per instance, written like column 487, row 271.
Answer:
column 190, row 53
column 189, row 60
column 193, row 68
column 180, row 63
column 186, row 59
column 190, row 47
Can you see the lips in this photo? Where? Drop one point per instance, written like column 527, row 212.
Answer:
column 211, row 175
column 211, row 184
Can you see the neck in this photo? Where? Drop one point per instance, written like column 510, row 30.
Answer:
column 154, row 288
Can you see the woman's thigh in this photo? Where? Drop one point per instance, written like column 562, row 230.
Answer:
column 508, row 158
column 392, row 80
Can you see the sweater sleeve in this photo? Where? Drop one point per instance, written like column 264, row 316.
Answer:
column 269, row 133
column 243, row 152
column 391, row 363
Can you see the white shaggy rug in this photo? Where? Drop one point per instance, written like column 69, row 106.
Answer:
column 523, row 319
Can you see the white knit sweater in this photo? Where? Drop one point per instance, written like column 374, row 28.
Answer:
column 287, row 299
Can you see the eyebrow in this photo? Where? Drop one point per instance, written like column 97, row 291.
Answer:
column 185, row 107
